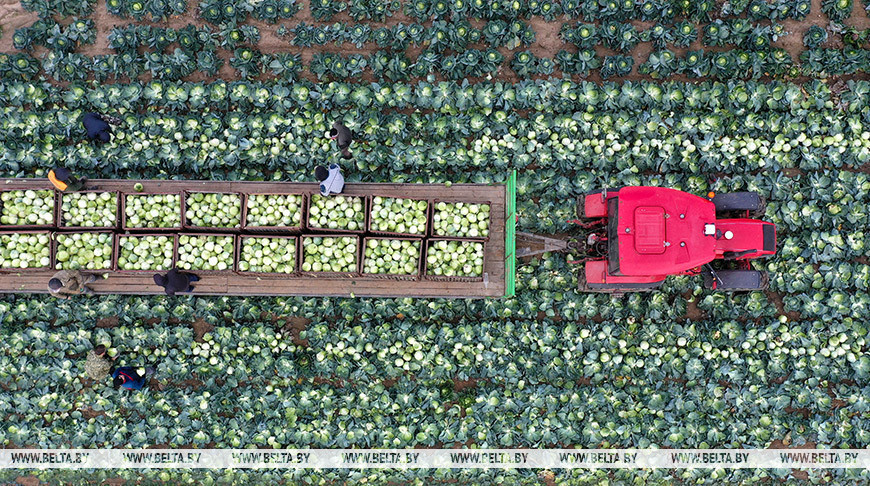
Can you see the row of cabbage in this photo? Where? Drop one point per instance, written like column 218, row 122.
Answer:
column 155, row 145
column 443, row 97
column 251, row 63
column 236, row 12
column 734, row 350
column 446, row 51
column 623, row 141
column 419, row 477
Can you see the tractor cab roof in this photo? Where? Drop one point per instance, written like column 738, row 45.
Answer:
column 660, row 231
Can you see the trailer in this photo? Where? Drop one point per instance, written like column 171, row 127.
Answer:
column 497, row 279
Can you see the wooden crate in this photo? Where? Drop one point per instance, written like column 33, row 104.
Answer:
column 274, row 229
column 310, row 227
column 50, row 251
column 425, row 268
column 186, row 225
column 196, row 271
column 392, row 276
column 433, row 209
column 370, row 218
column 55, row 213
column 329, row 274
column 86, row 229
column 123, row 210
column 238, row 258
column 55, row 244
column 117, row 252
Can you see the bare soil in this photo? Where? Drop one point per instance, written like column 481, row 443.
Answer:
column 780, row 307
column 295, row 325
column 693, row 313
column 89, row 413
column 200, row 327
column 108, row 322
column 13, row 16
column 462, row 385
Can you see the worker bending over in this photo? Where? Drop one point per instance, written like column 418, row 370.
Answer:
column 66, row 283
column 130, row 377
column 343, row 137
column 331, row 180
column 98, row 126
column 175, row 281
column 63, row 180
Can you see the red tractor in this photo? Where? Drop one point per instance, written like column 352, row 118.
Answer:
column 637, row 236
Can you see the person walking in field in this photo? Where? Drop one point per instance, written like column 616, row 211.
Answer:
column 331, row 180
column 63, row 180
column 343, row 137
column 97, row 126
column 130, row 377
column 66, row 283
column 174, row 281
column 97, row 364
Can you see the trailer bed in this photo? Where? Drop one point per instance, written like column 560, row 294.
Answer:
column 230, row 283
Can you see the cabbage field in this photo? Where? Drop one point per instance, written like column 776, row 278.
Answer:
column 575, row 95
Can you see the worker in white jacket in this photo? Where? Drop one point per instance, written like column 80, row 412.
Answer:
column 331, row 180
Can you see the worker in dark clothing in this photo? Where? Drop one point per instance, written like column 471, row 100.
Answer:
column 97, row 127
column 331, row 180
column 175, row 281
column 343, row 136
column 130, row 377
column 63, row 180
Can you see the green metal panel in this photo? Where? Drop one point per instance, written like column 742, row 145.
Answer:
column 510, row 241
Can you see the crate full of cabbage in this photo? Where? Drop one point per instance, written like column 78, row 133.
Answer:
column 85, row 251
column 151, row 211
column 336, row 213
column 460, row 219
column 145, row 252
column 398, row 216
column 206, row 253
column 460, row 260
column 204, row 210
column 27, row 208
column 267, row 254
column 25, row 250
column 274, row 212
column 89, row 209
column 392, row 258
column 333, row 255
